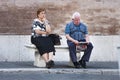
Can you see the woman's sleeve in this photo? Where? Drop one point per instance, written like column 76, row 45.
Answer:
column 35, row 26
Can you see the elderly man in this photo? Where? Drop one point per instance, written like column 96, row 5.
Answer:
column 75, row 32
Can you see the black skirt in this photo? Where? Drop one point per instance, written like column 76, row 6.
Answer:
column 44, row 44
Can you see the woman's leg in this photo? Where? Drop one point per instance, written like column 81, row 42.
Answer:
column 50, row 55
column 48, row 59
column 51, row 62
column 45, row 57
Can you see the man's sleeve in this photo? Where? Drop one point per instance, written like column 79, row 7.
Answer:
column 86, row 30
column 67, row 29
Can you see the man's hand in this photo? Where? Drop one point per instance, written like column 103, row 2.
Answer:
column 76, row 42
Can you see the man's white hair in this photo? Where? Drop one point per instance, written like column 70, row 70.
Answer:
column 76, row 14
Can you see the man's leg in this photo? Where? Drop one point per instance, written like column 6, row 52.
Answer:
column 72, row 52
column 87, row 52
column 85, row 58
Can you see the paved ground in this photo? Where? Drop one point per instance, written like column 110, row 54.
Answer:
column 61, row 71
column 61, row 67
column 58, row 64
column 55, row 76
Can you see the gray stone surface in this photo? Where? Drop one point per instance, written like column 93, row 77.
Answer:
column 59, row 65
column 55, row 76
column 61, row 71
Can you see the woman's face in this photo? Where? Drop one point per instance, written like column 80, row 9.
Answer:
column 41, row 15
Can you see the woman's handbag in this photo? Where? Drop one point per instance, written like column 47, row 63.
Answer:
column 55, row 38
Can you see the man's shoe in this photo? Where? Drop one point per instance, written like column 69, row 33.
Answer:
column 76, row 64
column 82, row 63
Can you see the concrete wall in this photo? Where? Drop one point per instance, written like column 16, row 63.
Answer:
column 12, row 48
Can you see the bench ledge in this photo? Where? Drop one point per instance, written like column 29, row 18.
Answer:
column 32, row 46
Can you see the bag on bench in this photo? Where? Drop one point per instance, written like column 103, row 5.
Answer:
column 55, row 38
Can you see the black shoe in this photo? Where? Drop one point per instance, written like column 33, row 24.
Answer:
column 76, row 64
column 82, row 63
column 50, row 64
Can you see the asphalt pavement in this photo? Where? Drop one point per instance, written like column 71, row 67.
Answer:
column 59, row 65
column 61, row 71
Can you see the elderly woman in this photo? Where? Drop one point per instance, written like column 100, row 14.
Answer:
column 40, row 31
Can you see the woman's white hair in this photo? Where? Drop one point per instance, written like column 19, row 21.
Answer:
column 75, row 14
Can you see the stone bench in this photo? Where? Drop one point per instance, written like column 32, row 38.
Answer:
column 39, row 62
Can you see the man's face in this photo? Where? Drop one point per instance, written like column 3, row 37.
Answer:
column 76, row 20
